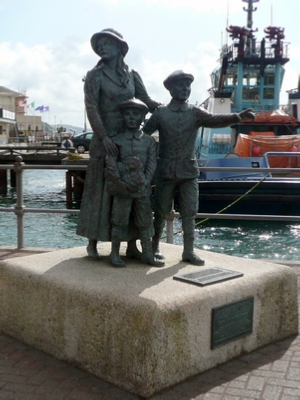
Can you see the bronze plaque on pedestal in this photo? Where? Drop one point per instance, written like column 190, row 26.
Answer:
column 231, row 322
column 208, row 276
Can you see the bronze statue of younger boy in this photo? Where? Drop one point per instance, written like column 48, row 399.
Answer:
column 177, row 168
column 128, row 178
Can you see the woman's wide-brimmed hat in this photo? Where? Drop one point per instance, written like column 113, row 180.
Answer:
column 113, row 34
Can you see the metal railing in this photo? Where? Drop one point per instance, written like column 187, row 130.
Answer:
column 20, row 209
column 45, row 146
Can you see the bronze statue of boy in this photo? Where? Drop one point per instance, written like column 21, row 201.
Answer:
column 128, row 178
column 177, row 168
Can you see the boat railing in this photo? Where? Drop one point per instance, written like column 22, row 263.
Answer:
column 288, row 154
column 233, row 51
column 20, row 209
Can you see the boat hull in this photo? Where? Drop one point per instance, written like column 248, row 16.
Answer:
column 270, row 197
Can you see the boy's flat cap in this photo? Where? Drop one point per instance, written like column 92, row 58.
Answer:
column 175, row 76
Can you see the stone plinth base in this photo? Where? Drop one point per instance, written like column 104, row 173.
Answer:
column 137, row 327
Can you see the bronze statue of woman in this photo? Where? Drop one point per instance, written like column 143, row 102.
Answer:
column 106, row 86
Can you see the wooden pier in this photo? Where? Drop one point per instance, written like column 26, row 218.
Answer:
column 75, row 179
column 46, row 155
column 37, row 155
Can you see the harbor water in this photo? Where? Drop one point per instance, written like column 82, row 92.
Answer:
column 46, row 189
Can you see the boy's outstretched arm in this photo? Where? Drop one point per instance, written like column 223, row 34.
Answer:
column 247, row 114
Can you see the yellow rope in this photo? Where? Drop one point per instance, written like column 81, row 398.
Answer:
column 73, row 156
column 234, row 202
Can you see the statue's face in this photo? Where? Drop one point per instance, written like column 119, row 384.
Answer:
column 108, row 47
column 181, row 89
column 133, row 117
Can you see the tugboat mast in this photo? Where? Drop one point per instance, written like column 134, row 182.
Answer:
column 253, row 72
column 250, row 10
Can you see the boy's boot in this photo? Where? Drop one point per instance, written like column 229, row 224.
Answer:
column 92, row 250
column 159, row 224
column 147, row 255
column 132, row 251
column 188, row 227
column 115, row 249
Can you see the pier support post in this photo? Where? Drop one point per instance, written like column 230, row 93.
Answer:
column 69, row 188
column 3, row 181
column 74, row 186
column 13, row 182
column 78, row 184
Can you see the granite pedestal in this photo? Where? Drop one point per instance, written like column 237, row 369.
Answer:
column 137, row 327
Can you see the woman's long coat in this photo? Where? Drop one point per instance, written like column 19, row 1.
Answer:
column 103, row 94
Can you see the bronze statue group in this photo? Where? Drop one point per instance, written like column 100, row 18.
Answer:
column 124, row 160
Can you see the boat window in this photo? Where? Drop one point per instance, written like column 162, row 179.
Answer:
column 253, row 80
column 295, row 110
column 250, row 77
column 269, row 80
column 231, row 78
column 250, row 93
column 268, row 93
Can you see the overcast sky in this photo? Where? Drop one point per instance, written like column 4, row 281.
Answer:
column 45, row 45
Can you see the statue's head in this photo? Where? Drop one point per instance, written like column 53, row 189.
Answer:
column 133, row 112
column 109, row 35
column 179, row 84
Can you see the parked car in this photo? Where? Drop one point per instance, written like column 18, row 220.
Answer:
column 82, row 142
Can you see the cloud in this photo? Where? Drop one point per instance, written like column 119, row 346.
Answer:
column 162, row 38
column 216, row 5
column 51, row 74
column 200, row 64
column 292, row 74
column 219, row 6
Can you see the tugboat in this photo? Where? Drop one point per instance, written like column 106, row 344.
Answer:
column 250, row 75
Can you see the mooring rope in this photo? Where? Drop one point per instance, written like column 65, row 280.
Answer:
column 231, row 204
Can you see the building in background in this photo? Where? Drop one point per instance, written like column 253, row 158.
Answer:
column 15, row 119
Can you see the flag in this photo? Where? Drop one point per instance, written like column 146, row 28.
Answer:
column 31, row 105
column 42, row 108
column 22, row 103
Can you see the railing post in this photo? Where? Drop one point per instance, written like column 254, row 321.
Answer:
column 19, row 208
column 170, row 227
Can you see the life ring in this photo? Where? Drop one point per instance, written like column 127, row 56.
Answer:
column 67, row 143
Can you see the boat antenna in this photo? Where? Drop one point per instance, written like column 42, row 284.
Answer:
column 227, row 24
column 271, row 13
column 250, row 10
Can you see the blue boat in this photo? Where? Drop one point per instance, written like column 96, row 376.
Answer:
column 250, row 75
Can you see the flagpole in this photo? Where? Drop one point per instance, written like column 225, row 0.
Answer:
column 26, row 127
